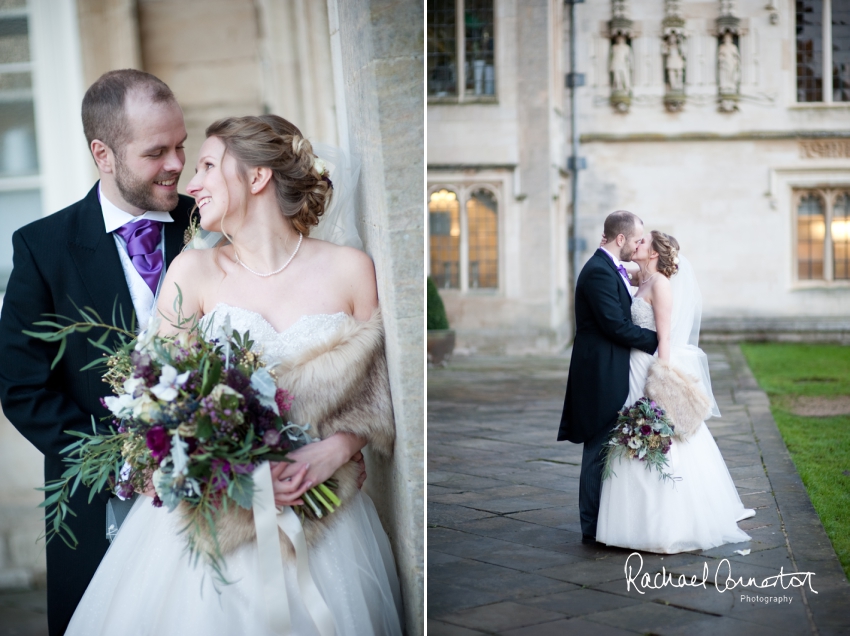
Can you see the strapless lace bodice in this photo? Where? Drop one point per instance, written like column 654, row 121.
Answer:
column 273, row 345
column 642, row 314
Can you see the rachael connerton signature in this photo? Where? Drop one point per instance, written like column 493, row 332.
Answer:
column 723, row 579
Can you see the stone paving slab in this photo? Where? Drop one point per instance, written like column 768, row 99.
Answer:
column 504, row 531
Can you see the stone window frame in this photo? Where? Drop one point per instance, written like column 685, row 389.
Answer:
column 786, row 186
column 828, row 194
column 462, row 97
column 65, row 167
column 826, row 62
column 464, row 190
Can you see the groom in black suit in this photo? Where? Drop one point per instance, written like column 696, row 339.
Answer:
column 113, row 245
column 598, row 383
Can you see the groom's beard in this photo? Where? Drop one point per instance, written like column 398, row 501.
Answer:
column 142, row 194
column 625, row 255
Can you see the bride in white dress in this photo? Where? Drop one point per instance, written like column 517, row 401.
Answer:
column 258, row 182
column 698, row 509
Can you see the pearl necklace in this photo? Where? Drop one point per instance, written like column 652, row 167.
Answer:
column 643, row 282
column 277, row 271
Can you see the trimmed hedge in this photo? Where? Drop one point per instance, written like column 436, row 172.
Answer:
column 437, row 318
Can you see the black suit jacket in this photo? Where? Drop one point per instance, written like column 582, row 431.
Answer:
column 60, row 260
column 598, row 383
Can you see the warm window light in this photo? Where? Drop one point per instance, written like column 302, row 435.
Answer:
column 841, row 230
column 443, row 197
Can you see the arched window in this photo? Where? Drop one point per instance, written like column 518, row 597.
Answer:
column 811, row 230
column 483, row 240
column 841, row 237
column 444, row 225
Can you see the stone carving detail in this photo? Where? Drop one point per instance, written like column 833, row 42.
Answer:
column 673, row 50
column 728, row 58
column 621, row 60
column 825, row 149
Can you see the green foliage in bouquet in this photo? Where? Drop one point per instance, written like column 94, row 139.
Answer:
column 194, row 415
column 643, row 432
column 437, row 318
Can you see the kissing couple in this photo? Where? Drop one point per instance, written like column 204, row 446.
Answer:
column 637, row 315
column 311, row 307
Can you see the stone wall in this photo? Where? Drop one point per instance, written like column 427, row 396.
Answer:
column 22, row 556
column 377, row 53
column 517, row 145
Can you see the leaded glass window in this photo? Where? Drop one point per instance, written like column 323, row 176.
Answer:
column 809, row 50
column 840, row 234
column 461, row 50
column 483, row 240
column 823, row 51
column 463, row 225
column 811, row 227
column 444, row 227
column 442, row 48
column 840, row 51
column 478, row 40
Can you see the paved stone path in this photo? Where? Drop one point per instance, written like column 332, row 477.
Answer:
column 504, row 541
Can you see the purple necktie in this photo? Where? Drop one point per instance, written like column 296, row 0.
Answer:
column 623, row 271
column 142, row 240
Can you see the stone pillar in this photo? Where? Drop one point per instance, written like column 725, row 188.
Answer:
column 109, row 30
column 377, row 51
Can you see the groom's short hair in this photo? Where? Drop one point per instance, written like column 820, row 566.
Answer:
column 104, row 112
column 620, row 222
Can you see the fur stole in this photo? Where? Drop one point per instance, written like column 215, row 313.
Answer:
column 680, row 395
column 340, row 385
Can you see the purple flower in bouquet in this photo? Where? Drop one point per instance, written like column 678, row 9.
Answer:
column 124, row 490
column 646, row 429
column 219, row 481
column 271, row 437
column 158, row 442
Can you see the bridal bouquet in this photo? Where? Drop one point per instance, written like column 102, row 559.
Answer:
column 193, row 417
column 643, row 432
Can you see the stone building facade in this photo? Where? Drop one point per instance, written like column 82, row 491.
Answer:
column 348, row 73
column 726, row 124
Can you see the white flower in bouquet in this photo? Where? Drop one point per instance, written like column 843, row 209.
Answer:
column 146, row 409
column 179, row 455
column 146, row 338
column 221, row 390
column 169, row 380
column 263, row 383
column 635, row 443
column 121, row 406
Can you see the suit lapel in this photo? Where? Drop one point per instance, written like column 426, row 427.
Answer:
column 96, row 257
column 624, row 293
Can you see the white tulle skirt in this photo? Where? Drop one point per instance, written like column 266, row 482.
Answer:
column 146, row 586
column 697, row 511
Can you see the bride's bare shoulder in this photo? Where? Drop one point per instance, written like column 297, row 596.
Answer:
column 353, row 274
column 343, row 260
column 196, row 267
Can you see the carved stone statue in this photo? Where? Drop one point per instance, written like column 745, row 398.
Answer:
column 674, row 64
column 621, row 66
column 728, row 66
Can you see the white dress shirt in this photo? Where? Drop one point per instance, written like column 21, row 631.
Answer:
column 144, row 300
column 617, row 263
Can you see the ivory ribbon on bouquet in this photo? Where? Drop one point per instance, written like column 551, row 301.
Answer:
column 267, row 520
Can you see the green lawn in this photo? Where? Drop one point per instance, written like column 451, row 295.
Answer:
column 819, row 446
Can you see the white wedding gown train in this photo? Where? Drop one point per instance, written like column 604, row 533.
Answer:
column 697, row 511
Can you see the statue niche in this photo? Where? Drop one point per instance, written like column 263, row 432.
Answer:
column 621, row 66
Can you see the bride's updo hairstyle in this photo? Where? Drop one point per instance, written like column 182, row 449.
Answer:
column 269, row 141
column 668, row 252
